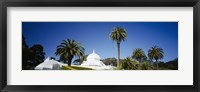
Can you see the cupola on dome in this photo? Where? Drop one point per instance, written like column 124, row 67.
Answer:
column 93, row 56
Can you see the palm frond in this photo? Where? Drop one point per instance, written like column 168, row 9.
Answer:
column 68, row 49
column 118, row 34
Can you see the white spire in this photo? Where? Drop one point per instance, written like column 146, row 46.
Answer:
column 93, row 56
column 93, row 51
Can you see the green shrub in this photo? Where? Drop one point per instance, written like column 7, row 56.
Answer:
column 146, row 66
column 129, row 64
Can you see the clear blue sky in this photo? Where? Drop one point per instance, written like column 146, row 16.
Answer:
column 95, row 35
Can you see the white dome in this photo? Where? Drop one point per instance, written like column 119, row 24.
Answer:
column 93, row 56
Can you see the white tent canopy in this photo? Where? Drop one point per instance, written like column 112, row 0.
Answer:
column 49, row 64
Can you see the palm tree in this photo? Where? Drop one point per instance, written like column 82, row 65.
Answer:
column 138, row 54
column 150, row 56
column 155, row 53
column 118, row 34
column 80, row 60
column 68, row 49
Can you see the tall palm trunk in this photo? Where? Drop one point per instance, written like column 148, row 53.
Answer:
column 118, row 48
column 157, row 64
column 69, row 61
column 138, row 60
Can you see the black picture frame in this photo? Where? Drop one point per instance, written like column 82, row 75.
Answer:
column 99, row 3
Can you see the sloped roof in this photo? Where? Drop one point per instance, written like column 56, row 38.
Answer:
column 48, row 64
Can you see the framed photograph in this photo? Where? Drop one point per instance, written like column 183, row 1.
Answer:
column 131, row 45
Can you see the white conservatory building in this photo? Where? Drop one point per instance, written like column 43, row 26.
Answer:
column 93, row 61
column 49, row 64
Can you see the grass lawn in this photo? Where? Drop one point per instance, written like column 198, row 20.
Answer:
column 75, row 68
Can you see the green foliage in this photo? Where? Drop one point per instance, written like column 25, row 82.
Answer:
column 173, row 64
column 118, row 34
column 39, row 53
column 161, row 64
column 110, row 61
column 170, row 65
column 79, row 61
column 146, row 66
column 155, row 53
column 27, row 59
column 84, row 58
column 31, row 57
column 68, row 49
column 129, row 64
column 138, row 54
column 24, row 44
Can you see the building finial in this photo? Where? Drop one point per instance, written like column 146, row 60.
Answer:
column 93, row 51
